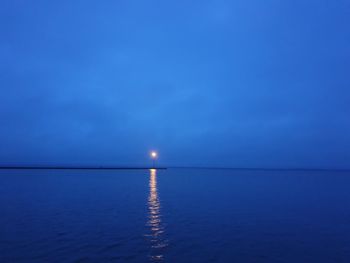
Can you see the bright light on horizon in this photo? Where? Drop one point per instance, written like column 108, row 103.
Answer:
column 154, row 154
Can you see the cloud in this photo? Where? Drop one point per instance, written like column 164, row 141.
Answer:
column 205, row 83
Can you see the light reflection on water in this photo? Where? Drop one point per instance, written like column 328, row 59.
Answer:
column 155, row 225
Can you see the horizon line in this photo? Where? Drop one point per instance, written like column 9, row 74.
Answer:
column 54, row 167
column 261, row 168
column 101, row 167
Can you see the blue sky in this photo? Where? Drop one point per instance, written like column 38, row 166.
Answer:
column 243, row 83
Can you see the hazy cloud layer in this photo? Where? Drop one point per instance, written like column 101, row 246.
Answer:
column 224, row 83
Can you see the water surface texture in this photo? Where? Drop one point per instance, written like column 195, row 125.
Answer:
column 174, row 215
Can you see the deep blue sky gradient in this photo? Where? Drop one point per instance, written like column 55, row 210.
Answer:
column 245, row 83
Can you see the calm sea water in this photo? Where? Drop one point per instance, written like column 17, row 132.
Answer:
column 174, row 215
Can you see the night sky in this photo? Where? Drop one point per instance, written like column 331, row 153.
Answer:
column 245, row 83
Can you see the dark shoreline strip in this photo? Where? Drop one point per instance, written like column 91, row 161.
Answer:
column 76, row 168
column 261, row 169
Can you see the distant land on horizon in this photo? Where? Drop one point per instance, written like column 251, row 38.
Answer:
column 81, row 167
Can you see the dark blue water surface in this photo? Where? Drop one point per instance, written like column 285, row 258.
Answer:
column 174, row 215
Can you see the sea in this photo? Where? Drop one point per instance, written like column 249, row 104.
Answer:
column 175, row 215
